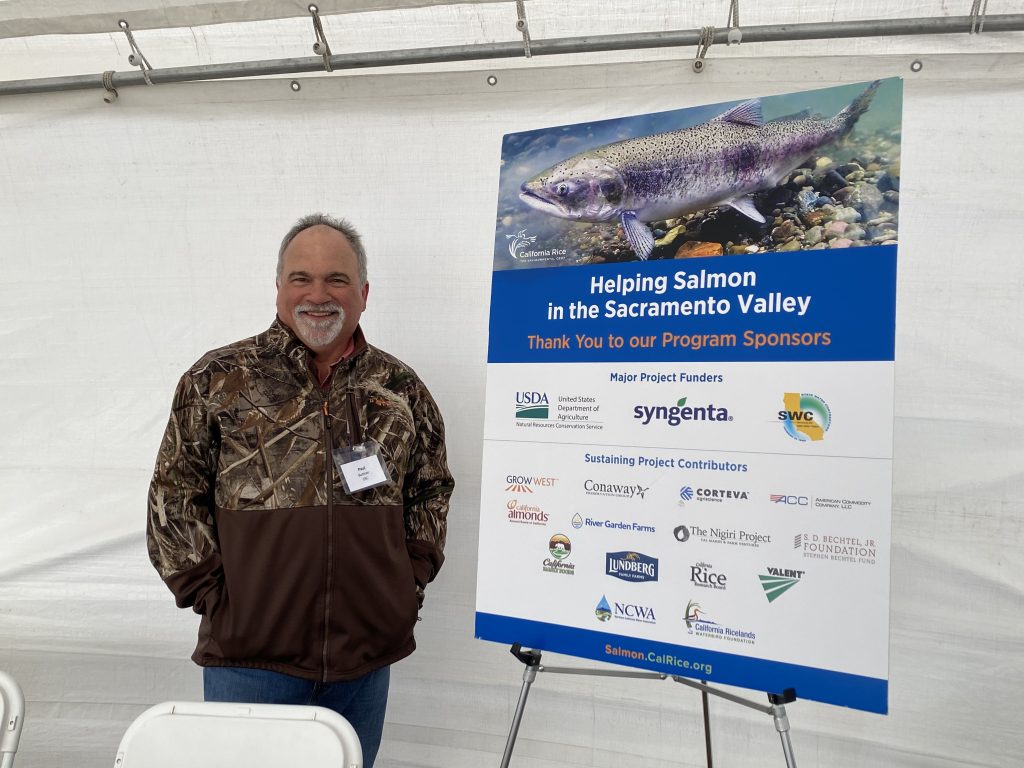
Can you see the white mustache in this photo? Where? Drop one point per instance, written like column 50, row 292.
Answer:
column 308, row 306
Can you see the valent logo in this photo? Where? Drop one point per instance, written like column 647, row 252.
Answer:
column 532, row 405
column 778, row 581
column 806, row 417
column 518, row 241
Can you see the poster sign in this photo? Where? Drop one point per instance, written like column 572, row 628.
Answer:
column 688, row 430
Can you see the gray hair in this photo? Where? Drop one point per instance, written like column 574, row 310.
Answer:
column 338, row 225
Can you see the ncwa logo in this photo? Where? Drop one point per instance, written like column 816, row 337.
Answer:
column 680, row 412
column 532, row 405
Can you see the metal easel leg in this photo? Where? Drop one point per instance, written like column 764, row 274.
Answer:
column 532, row 661
column 778, row 711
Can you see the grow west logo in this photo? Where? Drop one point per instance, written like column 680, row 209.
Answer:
column 805, row 417
column 680, row 412
column 631, row 566
column 526, row 483
column 532, row 405
column 778, row 581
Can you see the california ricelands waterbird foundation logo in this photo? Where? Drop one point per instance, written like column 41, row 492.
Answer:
column 699, row 622
column 778, row 581
column 806, row 417
column 631, row 566
column 527, row 483
column 532, row 405
column 529, row 514
column 840, row 549
column 559, row 547
column 676, row 414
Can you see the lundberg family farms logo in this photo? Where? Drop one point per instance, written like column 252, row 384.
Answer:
column 680, row 412
column 631, row 566
column 532, row 405
column 624, row 612
column 559, row 547
column 778, row 581
column 805, row 417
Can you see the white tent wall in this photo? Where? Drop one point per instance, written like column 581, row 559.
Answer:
column 139, row 235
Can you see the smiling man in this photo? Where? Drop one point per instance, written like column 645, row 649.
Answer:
column 300, row 498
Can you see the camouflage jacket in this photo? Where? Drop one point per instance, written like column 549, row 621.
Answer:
column 250, row 524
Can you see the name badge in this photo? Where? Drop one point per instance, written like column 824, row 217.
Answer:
column 361, row 467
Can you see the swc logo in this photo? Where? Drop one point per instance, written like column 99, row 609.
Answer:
column 796, row 415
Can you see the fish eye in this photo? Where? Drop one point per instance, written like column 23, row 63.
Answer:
column 562, row 189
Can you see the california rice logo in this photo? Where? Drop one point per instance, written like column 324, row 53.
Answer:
column 518, row 241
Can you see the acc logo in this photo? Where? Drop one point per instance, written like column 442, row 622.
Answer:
column 806, row 417
column 531, row 405
column 518, row 241
column 798, row 501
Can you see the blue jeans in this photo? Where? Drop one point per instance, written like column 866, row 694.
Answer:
column 362, row 701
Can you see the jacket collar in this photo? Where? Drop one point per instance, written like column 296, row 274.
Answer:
column 282, row 339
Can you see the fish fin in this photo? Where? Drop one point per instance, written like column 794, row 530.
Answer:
column 803, row 114
column 638, row 234
column 747, row 113
column 746, row 206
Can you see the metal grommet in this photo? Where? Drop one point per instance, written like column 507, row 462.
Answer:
column 122, row 24
column 698, row 65
column 492, row 80
column 916, row 65
column 313, row 9
column 296, row 86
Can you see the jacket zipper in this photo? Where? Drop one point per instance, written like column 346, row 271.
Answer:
column 329, row 459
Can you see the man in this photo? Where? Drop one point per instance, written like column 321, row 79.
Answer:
column 300, row 498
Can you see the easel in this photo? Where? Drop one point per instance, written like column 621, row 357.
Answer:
column 776, row 708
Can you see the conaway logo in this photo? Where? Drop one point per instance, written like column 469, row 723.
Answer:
column 680, row 412
column 518, row 241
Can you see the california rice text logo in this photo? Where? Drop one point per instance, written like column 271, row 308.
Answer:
column 518, row 241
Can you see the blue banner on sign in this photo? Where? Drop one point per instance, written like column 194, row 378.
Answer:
column 791, row 306
column 866, row 693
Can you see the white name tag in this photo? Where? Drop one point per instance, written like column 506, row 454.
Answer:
column 361, row 467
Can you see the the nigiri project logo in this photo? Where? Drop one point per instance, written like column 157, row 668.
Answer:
column 806, row 417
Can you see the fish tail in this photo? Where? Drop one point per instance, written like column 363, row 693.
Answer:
column 848, row 117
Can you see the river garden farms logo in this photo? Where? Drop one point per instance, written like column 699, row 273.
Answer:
column 532, row 405
column 680, row 412
column 805, row 417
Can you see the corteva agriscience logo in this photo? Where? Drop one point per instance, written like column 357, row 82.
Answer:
column 559, row 547
column 680, row 412
column 526, row 483
column 841, row 549
column 778, row 581
column 618, row 490
column 631, row 566
column 689, row 493
column 805, row 417
column 699, row 622
column 532, row 405
column 531, row 514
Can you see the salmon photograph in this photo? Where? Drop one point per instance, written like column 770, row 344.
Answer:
column 814, row 170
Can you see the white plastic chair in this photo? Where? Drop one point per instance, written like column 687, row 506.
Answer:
column 12, row 716
column 221, row 734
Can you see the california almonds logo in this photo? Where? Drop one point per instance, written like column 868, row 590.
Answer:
column 559, row 547
column 805, row 417
column 530, row 514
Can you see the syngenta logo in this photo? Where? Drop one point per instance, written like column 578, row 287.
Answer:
column 518, row 241
column 779, row 580
column 531, row 405
column 680, row 412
